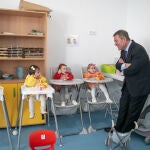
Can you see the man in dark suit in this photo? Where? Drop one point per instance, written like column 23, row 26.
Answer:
column 134, row 63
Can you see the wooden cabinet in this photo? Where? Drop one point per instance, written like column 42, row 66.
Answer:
column 12, row 97
column 23, row 37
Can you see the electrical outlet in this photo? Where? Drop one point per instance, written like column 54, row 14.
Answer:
column 92, row 32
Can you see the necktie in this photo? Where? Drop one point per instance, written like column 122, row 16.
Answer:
column 125, row 53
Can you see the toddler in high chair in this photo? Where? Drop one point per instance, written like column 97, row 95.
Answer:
column 35, row 79
column 64, row 74
column 93, row 73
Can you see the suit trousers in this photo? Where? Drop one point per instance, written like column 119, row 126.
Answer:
column 129, row 110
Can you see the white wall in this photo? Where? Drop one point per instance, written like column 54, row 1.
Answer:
column 79, row 17
column 138, row 22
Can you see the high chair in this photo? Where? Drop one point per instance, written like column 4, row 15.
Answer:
column 35, row 90
column 101, row 103
column 69, row 108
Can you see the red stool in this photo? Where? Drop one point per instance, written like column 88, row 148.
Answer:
column 42, row 140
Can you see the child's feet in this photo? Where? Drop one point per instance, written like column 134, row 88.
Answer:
column 94, row 100
column 74, row 102
column 63, row 104
column 31, row 115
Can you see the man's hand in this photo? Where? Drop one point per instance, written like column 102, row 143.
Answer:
column 121, row 61
column 127, row 65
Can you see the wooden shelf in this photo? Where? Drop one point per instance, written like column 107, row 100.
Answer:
column 22, row 35
column 22, row 13
column 3, row 81
column 21, row 59
column 16, row 44
column 15, row 29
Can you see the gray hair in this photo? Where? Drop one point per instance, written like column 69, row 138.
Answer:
column 121, row 34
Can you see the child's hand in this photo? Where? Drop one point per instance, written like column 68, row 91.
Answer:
column 38, row 83
column 64, row 77
column 37, row 76
column 59, row 71
column 97, row 78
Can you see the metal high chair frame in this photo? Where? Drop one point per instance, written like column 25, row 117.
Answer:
column 78, row 83
column 2, row 99
column 35, row 90
column 106, row 104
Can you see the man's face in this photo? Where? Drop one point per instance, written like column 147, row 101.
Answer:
column 120, row 42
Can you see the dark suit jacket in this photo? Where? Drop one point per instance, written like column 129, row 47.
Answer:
column 137, row 76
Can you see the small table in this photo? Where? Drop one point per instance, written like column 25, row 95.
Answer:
column 36, row 90
column 115, row 76
column 92, row 80
column 5, row 115
column 77, row 83
column 66, row 82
